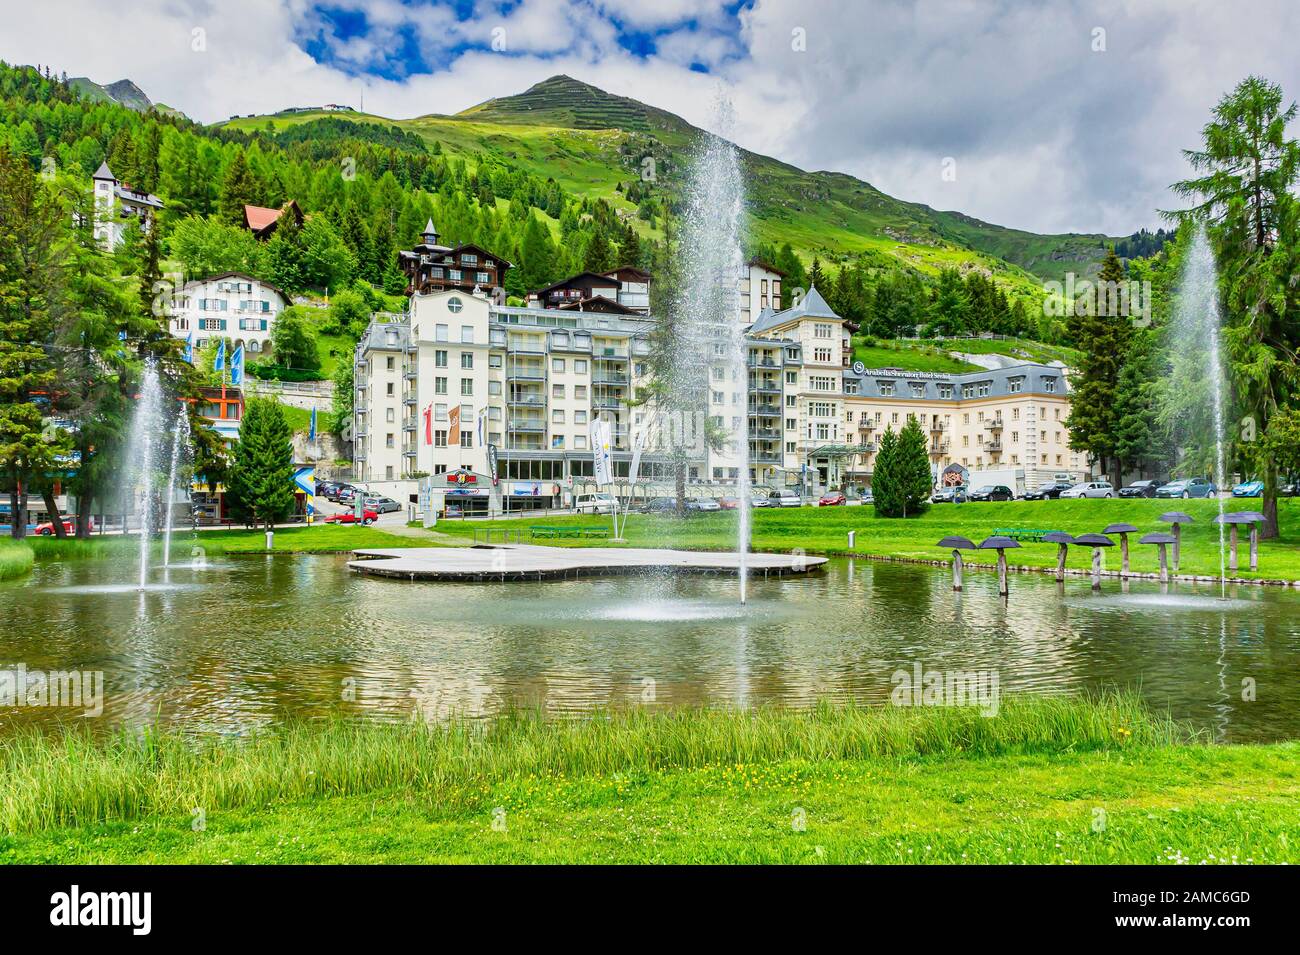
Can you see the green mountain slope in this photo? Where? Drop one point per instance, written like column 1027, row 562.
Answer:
column 591, row 142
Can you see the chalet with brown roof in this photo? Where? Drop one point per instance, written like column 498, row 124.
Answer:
column 433, row 267
column 262, row 221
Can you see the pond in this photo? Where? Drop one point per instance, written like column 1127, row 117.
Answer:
column 256, row 640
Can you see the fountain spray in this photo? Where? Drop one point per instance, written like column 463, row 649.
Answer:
column 143, row 423
column 714, row 339
column 180, row 439
column 1197, row 325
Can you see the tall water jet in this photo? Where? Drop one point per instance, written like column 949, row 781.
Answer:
column 180, row 441
column 1197, row 362
column 712, row 348
column 141, row 452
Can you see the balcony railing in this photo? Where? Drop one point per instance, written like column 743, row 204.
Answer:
column 939, row 447
column 607, row 403
column 526, row 374
column 770, row 434
column 993, row 424
column 527, row 425
column 609, row 378
column 765, row 411
column 993, row 447
column 531, row 400
column 937, row 426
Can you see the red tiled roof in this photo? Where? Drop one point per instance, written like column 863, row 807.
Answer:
column 259, row 217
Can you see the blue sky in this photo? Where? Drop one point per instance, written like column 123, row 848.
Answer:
column 1056, row 115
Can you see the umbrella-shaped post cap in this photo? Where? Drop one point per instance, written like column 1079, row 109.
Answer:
column 1058, row 537
column 998, row 543
column 1255, row 516
column 1176, row 517
column 1234, row 517
column 1120, row 528
column 1094, row 540
column 956, row 543
column 1156, row 537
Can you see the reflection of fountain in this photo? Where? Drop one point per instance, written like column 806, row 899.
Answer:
column 1196, row 351
column 180, row 442
column 712, row 338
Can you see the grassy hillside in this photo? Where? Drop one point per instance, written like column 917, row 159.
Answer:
column 589, row 141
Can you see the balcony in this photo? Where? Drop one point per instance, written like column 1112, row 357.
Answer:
column 767, row 434
column 410, row 375
column 409, row 453
column 607, row 403
column 528, row 425
column 938, row 427
column 763, row 363
column 993, row 447
column 765, row 457
column 410, row 401
column 765, row 411
column 532, row 401
column 939, row 447
column 408, row 426
column 526, row 374
column 765, row 388
column 609, row 378
column 993, row 424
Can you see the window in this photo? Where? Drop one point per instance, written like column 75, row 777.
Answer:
column 494, row 387
column 482, row 278
column 467, row 334
column 850, row 387
column 467, row 359
column 440, row 386
column 440, row 333
column 580, row 442
column 454, row 304
column 440, row 358
column 440, row 439
column 494, row 361
column 388, row 440
column 1014, row 385
column 821, row 354
column 579, row 392
column 557, row 365
column 557, row 441
column 945, row 391
column 467, row 386
column 580, row 366
column 886, row 388
column 918, row 389
column 468, row 258
column 467, row 439
column 821, row 330
column 557, row 391
column 389, row 388
column 580, row 417
column 557, row 416
column 391, row 363
column 390, row 414
column 1049, row 385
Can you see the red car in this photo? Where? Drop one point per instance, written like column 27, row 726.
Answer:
column 728, row 503
column 832, row 498
column 47, row 529
column 350, row 517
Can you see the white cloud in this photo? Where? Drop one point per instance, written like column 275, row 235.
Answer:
column 1047, row 134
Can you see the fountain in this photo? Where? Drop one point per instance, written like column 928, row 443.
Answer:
column 180, row 441
column 711, row 334
column 1196, row 354
column 140, row 457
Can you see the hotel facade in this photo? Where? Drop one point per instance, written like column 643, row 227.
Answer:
column 493, row 402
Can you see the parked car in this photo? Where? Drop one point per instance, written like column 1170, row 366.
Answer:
column 346, row 494
column 69, row 527
column 700, row 504
column 992, row 492
column 659, row 505
column 1140, row 489
column 784, row 498
column 949, row 495
column 383, row 505
column 1188, row 487
column 350, row 517
column 868, row 497
column 832, row 499
column 595, row 503
column 329, row 489
column 1090, row 489
column 1249, row 489
column 1045, row 492
column 1289, row 489
column 759, row 497
column 728, row 502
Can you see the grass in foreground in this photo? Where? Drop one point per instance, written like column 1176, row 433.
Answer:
column 1047, row 780
column 824, row 530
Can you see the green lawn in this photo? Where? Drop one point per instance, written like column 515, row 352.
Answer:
column 1044, row 781
column 824, row 531
column 909, row 358
column 317, row 539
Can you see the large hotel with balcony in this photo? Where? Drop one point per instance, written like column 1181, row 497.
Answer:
column 459, row 383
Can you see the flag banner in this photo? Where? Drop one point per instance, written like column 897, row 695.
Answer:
column 220, row 362
column 602, row 458
column 428, row 425
column 311, row 431
column 237, row 367
column 453, row 426
column 638, row 446
column 492, row 463
column 304, row 482
column 482, row 428
column 189, row 348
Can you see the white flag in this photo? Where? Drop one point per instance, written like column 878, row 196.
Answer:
column 638, row 445
column 601, row 456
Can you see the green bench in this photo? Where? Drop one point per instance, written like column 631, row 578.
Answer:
column 1023, row 533
column 545, row 531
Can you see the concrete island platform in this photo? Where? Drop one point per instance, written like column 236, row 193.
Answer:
column 532, row 562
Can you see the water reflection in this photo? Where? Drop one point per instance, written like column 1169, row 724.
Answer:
column 265, row 638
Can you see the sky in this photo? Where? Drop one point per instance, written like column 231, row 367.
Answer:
column 1045, row 115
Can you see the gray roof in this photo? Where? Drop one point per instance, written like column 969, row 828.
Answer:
column 377, row 337
column 920, row 385
column 811, row 305
column 103, row 172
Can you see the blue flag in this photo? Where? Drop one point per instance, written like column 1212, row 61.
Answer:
column 189, row 348
column 220, row 362
column 237, row 366
column 311, row 434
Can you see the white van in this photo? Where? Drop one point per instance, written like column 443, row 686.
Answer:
column 594, row 504
column 784, row 498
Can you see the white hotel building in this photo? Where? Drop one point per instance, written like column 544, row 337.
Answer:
column 233, row 306
column 458, row 373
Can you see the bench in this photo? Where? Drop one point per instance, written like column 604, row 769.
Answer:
column 552, row 531
column 1023, row 533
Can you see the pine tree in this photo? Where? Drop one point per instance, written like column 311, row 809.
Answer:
column 259, row 484
column 885, row 490
column 1101, row 334
column 239, row 188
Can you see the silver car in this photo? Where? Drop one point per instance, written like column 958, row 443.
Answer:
column 1090, row 489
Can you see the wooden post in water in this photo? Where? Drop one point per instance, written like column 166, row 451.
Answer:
column 1164, row 564
column 1096, row 568
column 1003, row 591
column 1178, row 539
column 1254, row 547
column 956, row 570
column 1232, row 548
column 1061, row 551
